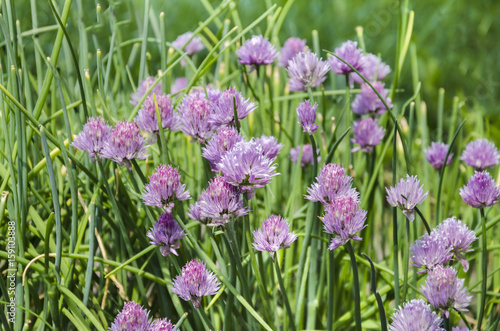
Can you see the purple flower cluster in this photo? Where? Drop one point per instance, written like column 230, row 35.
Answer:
column 269, row 146
column 444, row 290
column 307, row 155
column 406, row 195
column 367, row 133
column 306, row 71
column 194, row 113
column 291, row 47
column 247, row 166
column 436, row 154
column 125, row 144
column 222, row 141
column 350, row 53
column 481, row 190
column 164, row 188
column 331, row 182
column 274, row 235
column 306, row 111
column 415, row 315
column 191, row 48
column 344, row 219
column 218, row 204
column 223, row 109
column 368, row 102
column 166, row 234
column 146, row 117
column 134, row 317
column 143, row 87
column 480, row 154
column 256, row 51
column 372, row 68
column 93, row 137
column 450, row 239
column 195, row 282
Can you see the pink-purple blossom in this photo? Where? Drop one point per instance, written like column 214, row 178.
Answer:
column 223, row 109
column 132, row 317
column 307, row 155
column 194, row 113
column 368, row 102
column 306, row 71
column 480, row 154
column 143, row 87
column 406, row 195
column 291, row 47
column 367, row 133
column 436, row 153
column 164, row 188
column 481, row 190
column 222, row 141
column 256, row 51
column 166, row 233
column 125, row 144
column 444, row 290
column 372, row 69
column 332, row 181
column 93, row 137
column 350, row 53
column 306, row 111
column 191, row 48
column 195, row 282
column 146, row 117
column 415, row 315
column 274, row 235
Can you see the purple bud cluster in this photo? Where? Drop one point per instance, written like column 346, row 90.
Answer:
column 134, row 317
column 406, row 195
column 274, row 235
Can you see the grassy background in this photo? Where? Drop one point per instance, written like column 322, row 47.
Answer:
column 452, row 47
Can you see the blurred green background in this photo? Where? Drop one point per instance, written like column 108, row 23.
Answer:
column 456, row 41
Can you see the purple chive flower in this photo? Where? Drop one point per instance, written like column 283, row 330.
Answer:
column 290, row 48
column 332, row 181
column 256, row 51
column 307, row 116
column 193, row 47
column 195, row 282
column 350, row 53
column 269, row 146
column 368, row 102
column 223, row 114
column 306, row 71
column 274, row 235
column 458, row 328
column 367, row 133
column 436, row 154
column 143, row 87
column 343, row 218
column 245, row 166
column 458, row 237
column 415, row 315
column 166, row 234
column 219, row 203
column 194, row 113
column 178, row 85
column 223, row 141
column 413, row 195
column 132, row 317
column 93, row 137
column 194, row 212
column 480, row 154
column 164, row 187
column 444, row 290
column 162, row 324
column 372, row 69
column 481, row 190
column 146, row 117
column 125, row 144
column 430, row 251
column 307, row 155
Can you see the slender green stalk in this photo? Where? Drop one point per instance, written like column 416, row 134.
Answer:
column 283, row 292
column 90, row 261
column 441, row 174
column 406, row 259
column 395, row 247
column 484, row 269
column 355, row 286
column 331, row 290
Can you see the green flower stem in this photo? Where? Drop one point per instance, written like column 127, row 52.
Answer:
column 355, row 287
column 285, row 297
column 395, row 224
column 331, row 285
column 484, row 266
